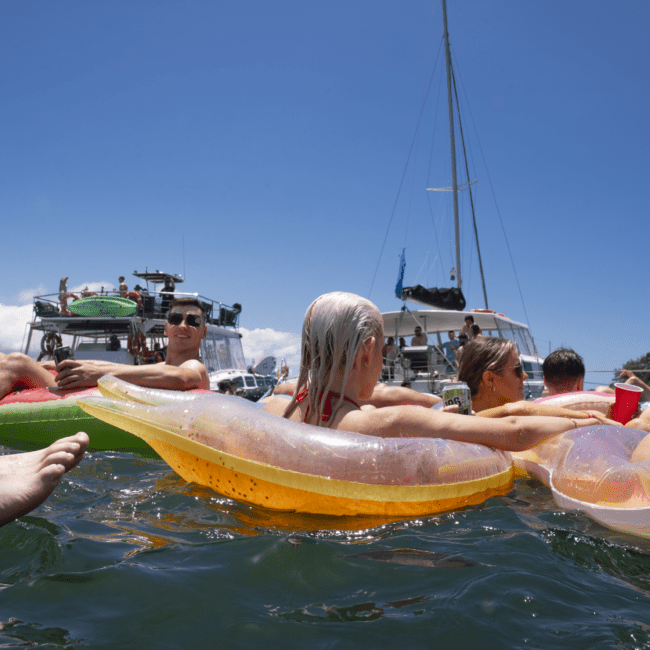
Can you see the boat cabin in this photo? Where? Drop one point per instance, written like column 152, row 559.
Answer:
column 425, row 367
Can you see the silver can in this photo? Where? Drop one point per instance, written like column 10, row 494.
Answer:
column 60, row 354
column 458, row 393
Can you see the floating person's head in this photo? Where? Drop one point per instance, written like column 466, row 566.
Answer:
column 342, row 338
column 491, row 365
column 564, row 371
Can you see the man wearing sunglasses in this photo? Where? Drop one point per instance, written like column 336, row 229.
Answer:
column 181, row 370
column 185, row 329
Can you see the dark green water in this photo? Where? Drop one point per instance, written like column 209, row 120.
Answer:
column 126, row 554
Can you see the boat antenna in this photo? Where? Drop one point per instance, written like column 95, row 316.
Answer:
column 454, row 177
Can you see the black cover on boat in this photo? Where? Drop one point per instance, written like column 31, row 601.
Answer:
column 441, row 298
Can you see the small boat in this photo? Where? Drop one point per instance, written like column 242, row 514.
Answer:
column 426, row 368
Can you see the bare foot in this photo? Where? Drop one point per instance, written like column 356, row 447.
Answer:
column 27, row 479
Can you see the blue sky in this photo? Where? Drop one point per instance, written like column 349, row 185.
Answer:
column 260, row 148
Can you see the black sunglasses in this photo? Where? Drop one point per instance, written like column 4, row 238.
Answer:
column 176, row 318
column 519, row 371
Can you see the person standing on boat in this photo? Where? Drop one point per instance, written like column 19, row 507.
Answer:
column 389, row 352
column 420, row 337
column 341, row 361
column 467, row 327
column 181, row 369
column 123, row 289
column 449, row 350
column 462, row 340
column 168, row 293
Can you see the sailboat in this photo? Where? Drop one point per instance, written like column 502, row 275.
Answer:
column 425, row 367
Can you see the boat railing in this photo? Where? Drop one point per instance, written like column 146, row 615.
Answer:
column 151, row 304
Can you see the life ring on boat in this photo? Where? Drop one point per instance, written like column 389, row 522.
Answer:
column 232, row 446
column 64, row 303
column 137, row 345
column 604, row 471
column 49, row 342
column 135, row 297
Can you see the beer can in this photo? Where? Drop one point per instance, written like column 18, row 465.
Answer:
column 60, row 354
column 458, row 393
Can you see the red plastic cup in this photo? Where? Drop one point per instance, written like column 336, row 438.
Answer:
column 627, row 402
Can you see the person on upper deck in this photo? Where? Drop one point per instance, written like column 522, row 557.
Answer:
column 181, row 369
column 168, row 294
column 341, row 361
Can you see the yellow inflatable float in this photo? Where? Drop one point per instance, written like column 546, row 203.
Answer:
column 234, row 447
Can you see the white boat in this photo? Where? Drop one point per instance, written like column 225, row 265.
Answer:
column 425, row 368
column 128, row 327
column 252, row 383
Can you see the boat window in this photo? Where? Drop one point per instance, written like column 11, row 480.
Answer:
column 250, row 381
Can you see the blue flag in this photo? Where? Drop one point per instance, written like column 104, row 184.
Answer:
column 400, row 275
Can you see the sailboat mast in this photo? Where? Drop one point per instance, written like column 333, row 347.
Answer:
column 454, row 178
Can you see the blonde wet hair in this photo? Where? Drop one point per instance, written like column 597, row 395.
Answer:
column 335, row 327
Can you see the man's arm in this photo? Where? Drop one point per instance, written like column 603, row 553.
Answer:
column 82, row 374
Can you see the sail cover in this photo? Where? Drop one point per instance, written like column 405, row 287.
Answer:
column 440, row 298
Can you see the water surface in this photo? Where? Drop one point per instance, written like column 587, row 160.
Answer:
column 127, row 554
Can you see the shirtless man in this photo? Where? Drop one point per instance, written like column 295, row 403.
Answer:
column 181, row 370
column 420, row 337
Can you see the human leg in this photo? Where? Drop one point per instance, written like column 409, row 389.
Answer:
column 27, row 479
column 20, row 371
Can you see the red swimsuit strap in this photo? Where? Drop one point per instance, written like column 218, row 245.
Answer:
column 327, row 411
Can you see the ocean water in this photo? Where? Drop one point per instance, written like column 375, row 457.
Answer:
column 126, row 554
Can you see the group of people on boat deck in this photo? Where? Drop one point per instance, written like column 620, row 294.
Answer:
column 337, row 387
column 452, row 349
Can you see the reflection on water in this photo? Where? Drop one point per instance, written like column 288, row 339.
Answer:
column 126, row 553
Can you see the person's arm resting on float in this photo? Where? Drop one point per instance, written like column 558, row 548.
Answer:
column 531, row 408
column 188, row 375
column 512, row 433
